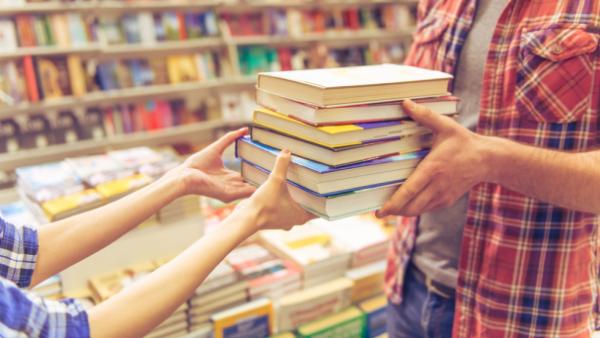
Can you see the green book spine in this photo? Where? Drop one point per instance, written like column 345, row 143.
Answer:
column 48, row 29
column 353, row 328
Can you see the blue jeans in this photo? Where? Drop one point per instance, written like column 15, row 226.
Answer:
column 422, row 314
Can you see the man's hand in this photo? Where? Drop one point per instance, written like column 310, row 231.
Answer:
column 204, row 174
column 453, row 166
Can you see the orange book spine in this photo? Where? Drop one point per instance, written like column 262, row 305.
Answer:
column 30, row 79
column 182, row 27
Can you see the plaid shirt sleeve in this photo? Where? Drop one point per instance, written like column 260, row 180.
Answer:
column 23, row 314
column 18, row 253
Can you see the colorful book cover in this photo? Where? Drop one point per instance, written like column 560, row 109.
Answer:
column 76, row 75
column 31, row 79
column 54, row 77
column 122, row 186
column 131, row 28
column 54, row 209
column 60, row 30
column 323, row 168
column 193, row 24
column 375, row 316
column 25, row 30
column 254, row 319
column 345, row 324
column 77, row 29
column 182, row 68
column 171, row 23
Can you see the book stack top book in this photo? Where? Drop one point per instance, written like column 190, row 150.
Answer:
column 353, row 143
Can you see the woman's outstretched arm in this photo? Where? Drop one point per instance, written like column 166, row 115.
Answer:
column 66, row 242
column 136, row 310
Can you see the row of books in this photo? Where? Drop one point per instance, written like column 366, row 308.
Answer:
column 54, row 128
column 298, row 22
column 62, row 30
column 34, row 79
column 58, row 190
column 353, row 144
column 255, row 59
column 149, row 28
column 255, row 277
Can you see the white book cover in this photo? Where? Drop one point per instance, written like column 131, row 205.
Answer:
column 8, row 36
column 358, row 76
column 146, row 22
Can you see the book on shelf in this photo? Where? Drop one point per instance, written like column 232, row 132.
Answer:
column 355, row 85
column 330, row 207
column 8, row 36
column 324, row 179
column 348, row 323
column 48, row 181
column 300, row 307
column 254, row 319
column 345, row 155
column 313, row 115
column 338, row 135
column 284, row 335
column 311, row 249
column 368, row 281
column 363, row 236
column 201, row 331
column 375, row 315
column 53, row 77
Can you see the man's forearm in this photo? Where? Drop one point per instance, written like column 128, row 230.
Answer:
column 570, row 180
column 65, row 242
column 142, row 306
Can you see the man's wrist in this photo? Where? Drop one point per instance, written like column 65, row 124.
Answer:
column 493, row 152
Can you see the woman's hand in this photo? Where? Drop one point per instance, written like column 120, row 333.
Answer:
column 204, row 174
column 272, row 203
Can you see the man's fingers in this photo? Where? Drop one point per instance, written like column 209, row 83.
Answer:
column 279, row 172
column 226, row 140
column 410, row 189
column 426, row 117
column 421, row 202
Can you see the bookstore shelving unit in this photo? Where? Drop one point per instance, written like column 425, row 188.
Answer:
column 193, row 133
column 225, row 43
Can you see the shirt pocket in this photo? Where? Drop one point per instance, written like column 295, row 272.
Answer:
column 555, row 74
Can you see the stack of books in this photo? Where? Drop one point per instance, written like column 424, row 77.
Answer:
column 375, row 316
column 304, row 306
column 363, row 236
column 254, row 319
column 352, row 141
column 267, row 274
column 319, row 257
column 221, row 290
column 348, row 323
column 368, row 281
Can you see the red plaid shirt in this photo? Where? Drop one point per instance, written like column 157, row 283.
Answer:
column 527, row 268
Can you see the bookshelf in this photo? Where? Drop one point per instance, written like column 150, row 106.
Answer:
column 198, row 133
column 226, row 45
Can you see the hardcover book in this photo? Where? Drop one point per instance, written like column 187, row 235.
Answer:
column 338, row 135
column 254, row 319
column 313, row 115
column 330, row 207
column 354, row 85
column 324, row 179
column 341, row 156
column 348, row 323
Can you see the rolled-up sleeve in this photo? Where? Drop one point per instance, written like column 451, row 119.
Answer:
column 24, row 314
column 18, row 252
